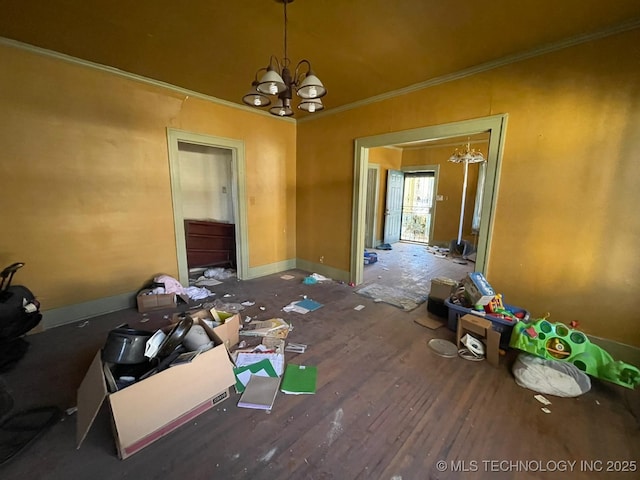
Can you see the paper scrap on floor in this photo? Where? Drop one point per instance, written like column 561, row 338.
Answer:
column 276, row 359
column 302, row 306
column 287, row 277
column 275, row 327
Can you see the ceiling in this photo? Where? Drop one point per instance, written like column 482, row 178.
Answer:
column 358, row 48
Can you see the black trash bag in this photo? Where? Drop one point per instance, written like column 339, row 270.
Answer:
column 21, row 429
column 11, row 351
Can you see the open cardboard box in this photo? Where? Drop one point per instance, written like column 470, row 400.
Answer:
column 152, row 408
column 148, row 302
column 227, row 331
column 482, row 329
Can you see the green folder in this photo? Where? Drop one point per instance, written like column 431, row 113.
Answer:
column 264, row 364
column 299, row 379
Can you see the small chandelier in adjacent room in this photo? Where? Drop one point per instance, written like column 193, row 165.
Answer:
column 279, row 81
column 465, row 155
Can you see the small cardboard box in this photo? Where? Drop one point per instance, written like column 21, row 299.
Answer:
column 483, row 330
column 152, row 408
column 442, row 288
column 477, row 289
column 148, row 302
column 227, row 331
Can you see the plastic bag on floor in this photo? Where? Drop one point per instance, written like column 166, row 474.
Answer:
column 219, row 273
column 551, row 377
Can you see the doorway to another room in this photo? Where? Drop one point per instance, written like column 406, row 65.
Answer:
column 207, row 186
column 431, row 197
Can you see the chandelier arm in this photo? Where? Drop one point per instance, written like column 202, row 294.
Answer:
column 297, row 75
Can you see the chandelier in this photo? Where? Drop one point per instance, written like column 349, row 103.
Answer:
column 280, row 82
column 465, row 155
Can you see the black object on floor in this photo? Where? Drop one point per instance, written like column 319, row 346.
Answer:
column 21, row 429
column 11, row 351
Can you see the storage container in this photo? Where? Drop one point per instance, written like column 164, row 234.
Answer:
column 502, row 325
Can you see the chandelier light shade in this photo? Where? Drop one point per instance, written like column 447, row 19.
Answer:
column 279, row 81
column 465, row 155
column 256, row 98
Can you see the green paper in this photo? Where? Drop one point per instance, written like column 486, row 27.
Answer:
column 264, row 364
column 299, row 379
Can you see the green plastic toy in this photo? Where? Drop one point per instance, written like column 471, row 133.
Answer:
column 556, row 341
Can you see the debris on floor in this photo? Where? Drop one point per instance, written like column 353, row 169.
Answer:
column 275, row 327
column 302, row 306
column 370, row 257
column 315, row 278
column 295, row 347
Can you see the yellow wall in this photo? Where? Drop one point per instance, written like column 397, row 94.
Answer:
column 85, row 189
column 566, row 229
column 86, row 200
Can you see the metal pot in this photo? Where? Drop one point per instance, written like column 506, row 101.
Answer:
column 125, row 346
column 175, row 336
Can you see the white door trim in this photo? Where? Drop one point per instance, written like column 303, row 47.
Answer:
column 238, row 196
column 495, row 125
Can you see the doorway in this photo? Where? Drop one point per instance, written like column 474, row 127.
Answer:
column 417, row 206
column 183, row 195
column 494, row 126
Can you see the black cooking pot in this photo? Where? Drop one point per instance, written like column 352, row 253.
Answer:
column 125, row 346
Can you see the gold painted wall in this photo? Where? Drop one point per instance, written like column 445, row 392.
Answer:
column 566, row 228
column 85, row 189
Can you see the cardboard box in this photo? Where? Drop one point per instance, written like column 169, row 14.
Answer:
column 483, row 330
column 229, row 330
column 148, row 302
column 442, row 288
column 152, row 408
column 477, row 289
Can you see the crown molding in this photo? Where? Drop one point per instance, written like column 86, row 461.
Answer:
column 467, row 72
column 137, row 78
column 484, row 67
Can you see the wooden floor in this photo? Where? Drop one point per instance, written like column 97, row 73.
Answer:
column 386, row 407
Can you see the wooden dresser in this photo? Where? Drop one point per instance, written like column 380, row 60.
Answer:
column 210, row 243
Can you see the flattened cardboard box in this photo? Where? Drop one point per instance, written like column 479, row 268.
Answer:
column 152, row 408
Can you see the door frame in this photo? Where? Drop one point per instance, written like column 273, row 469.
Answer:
column 238, row 196
column 373, row 191
column 495, row 125
column 436, row 174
